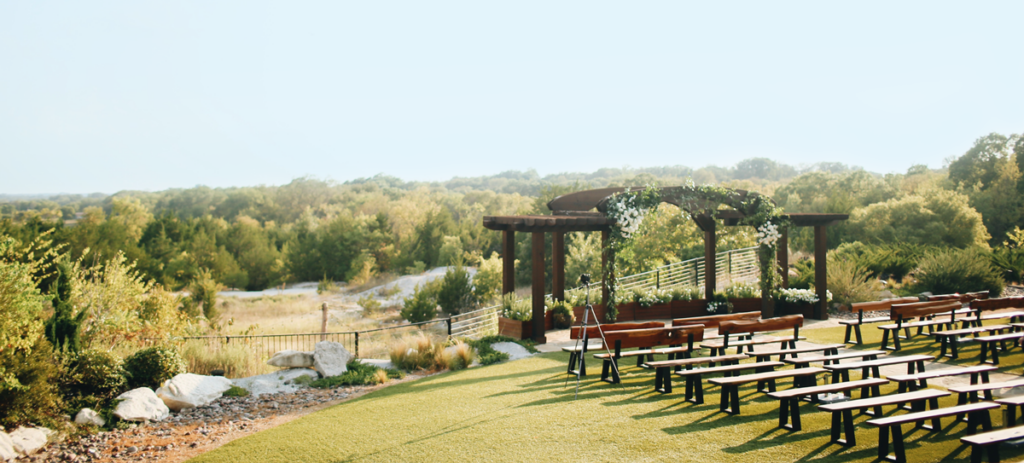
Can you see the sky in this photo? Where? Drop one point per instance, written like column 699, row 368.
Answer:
column 106, row 96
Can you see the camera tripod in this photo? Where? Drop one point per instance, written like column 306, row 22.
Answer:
column 589, row 309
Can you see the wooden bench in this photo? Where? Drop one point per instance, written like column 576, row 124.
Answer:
column 578, row 352
column 978, row 415
column 991, row 440
column 950, row 339
column 730, row 385
column 1010, row 413
column 904, row 314
column 789, row 400
column 970, row 393
column 853, row 326
column 981, row 306
column 830, row 349
column 991, row 345
column 842, row 370
column 864, row 355
column 712, row 321
column 694, row 377
column 919, row 380
column 680, row 339
column 732, row 328
column 663, row 373
column 842, row 412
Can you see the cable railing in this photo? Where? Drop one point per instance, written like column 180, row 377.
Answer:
column 735, row 266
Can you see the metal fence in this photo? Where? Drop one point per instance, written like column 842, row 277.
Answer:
column 735, row 266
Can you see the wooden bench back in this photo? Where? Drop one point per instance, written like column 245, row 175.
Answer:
column 760, row 326
column 922, row 309
column 963, row 298
column 712, row 321
column 574, row 332
column 652, row 337
column 876, row 306
column 1015, row 302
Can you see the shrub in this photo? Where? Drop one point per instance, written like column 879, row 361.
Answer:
column 152, row 366
column 463, row 356
column 236, row 391
column 804, row 278
column 949, row 271
column 742, row 290
column 37, row 400
column 358, row 374
column 487, row 280
column 379, row 377
column 204, row 294
column 686, row 293
column 237, row 359
column 577, row 297
column 850, row 282
column 516, row 308
column 370, row 303
column 64, row 329
column 1011, row 262
column 419, row 353
column 91, row 379
column 561, row 314
column 456, row 291
column 421, row 307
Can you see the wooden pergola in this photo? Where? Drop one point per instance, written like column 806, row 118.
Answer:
column 575, row 212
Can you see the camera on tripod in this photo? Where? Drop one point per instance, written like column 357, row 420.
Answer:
column 585, row 279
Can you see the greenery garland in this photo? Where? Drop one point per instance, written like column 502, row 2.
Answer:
column 628, row 209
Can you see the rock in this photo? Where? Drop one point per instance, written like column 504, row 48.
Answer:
column 330, row 358
column 29, row 440
column 7, row 447
column 291, row 359
column 189, row 390
column 141, row 404
column 88, row 416
column 273, row 383
column 514, row 351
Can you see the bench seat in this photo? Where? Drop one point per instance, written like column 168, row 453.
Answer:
column 863, row 321
column 970, row 393
column 950, row 339
column 991, row 345
column 730, row 385
column 864, row 355
column 694, row 377
column 663, row 378
column 789, row 400
column 719, row 345
column 842, row 412
column 830, row 349
column 841, row 370
column 990, row 440
column 920, row 380
column 978, row 415
column 1012, row 403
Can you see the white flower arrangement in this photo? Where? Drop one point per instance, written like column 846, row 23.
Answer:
column 714, row 306
column 801, row 296
column 627, row 216
column 768, row 234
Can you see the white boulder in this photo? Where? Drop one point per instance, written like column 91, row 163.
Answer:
column 141, row 404
column 330, row 358
column 291, row 359
column 89, row 416
column 7, row 452
column 28, row 441
column 189, row 390
column 514, row 350
column 277, row 382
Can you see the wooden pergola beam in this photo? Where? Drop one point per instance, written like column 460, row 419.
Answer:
column 558, row 266
column 538, row 287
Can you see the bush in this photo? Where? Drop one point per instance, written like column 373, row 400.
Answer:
column 422, row 306
column 358, row 374
column 463, row 356
column 577, row 297
column 686, row 293
column 742, row 291
column 1011, row 262
column 850, row 282
column 152, row 366
column 804, row 278
column 235, row 391
column 949, row 271
column 37, row 400
column 516, row 308
column 237, row 359
column 561, row 314
column 204, row 294
column 420, row 353
column 92, row 378
column 63, row 330
column 456, row 291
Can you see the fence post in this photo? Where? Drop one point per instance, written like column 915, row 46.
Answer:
column 449, row 327
column 323, row 324
column 357, row 344
column 657, row 279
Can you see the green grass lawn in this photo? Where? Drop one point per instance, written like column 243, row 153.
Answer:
column 521, row 411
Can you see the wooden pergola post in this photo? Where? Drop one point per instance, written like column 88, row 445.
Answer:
column 710, row 274
column 538, row 287
column 605, row 291
column 558, row 266
column 820, row 272
column 783, row 257
column 508, row 262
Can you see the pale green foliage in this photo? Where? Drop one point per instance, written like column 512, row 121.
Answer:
column 422, row 306
column 456, row 291
column 132, row 214
column 21, row 303
column 934, row 217
column 742, row 290
column 583, row 256
column 451, row 250
column 947, row 271
column 204, row 295
column 487, row 280
column 849, row 281
column 686, row 293
column 516, row 308
column 1014, row 238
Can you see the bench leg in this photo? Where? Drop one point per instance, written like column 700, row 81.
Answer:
column 984, row 352
column 943, row 345
column 849, row 331
column 860, row 339
column 897, row 444
column 883, row 442
column 663, row 380
column 572, row 363
column 723, row 403
column 789, row 408
column 953, row 347
column 896, row 341
column 583, row 365
column 995, row 354
column 1011, row 416
column 885, row 340
column 842, row 423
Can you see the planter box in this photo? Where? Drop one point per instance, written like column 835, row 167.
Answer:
column 627, row 311
column 687, row 309
column 515, row 328
column 549, row 320
column 746, row 304
column 654, row 312
column 789, row 308
column 599, row 309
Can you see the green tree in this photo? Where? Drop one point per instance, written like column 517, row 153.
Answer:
column 21, row 305
column 63, row 329
column 456, row 291
column 936, row 217
column 421, row 306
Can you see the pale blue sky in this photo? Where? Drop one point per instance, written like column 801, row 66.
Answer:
column 105, row 96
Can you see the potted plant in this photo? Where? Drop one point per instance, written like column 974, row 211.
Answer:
column 744, row 297
column 687, row 302
column 719, row 304
column 797, row 301
column 577, row 298
column 516, row 317
column 561, row 315
column 656, row 304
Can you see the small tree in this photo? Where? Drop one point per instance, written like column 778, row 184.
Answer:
column 64, row 329
column 204, row 294
column 456, row 291
column 422, row 306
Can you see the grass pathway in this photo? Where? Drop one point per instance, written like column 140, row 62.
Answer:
column 520, row 411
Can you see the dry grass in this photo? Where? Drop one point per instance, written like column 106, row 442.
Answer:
column 237, row 359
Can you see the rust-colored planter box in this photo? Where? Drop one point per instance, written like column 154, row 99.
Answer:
column 599, row 309
column 515, row 328
column 790, row 308
column 746, row 304
column 654, row 312
column 686, row 309
column 627, row 311
column 549, row 320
